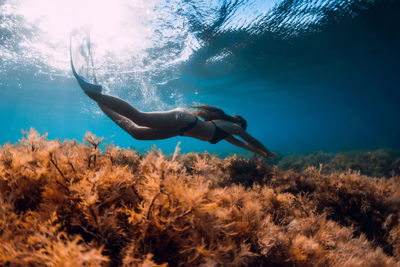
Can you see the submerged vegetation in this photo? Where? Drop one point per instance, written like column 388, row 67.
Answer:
column 72, row 204
column 377, row 163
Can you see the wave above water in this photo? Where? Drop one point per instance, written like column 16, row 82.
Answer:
column 132, row 36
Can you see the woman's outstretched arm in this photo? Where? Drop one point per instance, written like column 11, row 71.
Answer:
column 255, row 143
column 250, row 143
column 239, row 143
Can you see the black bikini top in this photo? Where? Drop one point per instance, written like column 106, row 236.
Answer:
column 219, row 134
column 182, row 130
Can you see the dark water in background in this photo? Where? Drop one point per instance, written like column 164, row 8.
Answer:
column 307, row 75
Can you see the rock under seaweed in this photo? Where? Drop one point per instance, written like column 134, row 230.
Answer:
column 73, row 204
column 379, row 163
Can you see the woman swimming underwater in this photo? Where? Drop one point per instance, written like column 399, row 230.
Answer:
column 215, row 126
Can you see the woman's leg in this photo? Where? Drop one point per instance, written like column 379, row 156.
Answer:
column 137, row 132
column 157, row 120
column 172, row 119
column 121, row 107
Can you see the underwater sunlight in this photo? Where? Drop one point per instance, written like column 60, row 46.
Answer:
column 307, row 174
column 323, row 71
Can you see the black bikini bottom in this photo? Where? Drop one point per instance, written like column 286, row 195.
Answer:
column 219, row 134
column 181, row 131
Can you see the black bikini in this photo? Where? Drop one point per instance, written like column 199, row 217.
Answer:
column 219, row 134
column 181, row 131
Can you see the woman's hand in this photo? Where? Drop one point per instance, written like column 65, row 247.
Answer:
column 267, row 155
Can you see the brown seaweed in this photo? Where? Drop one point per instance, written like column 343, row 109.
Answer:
column 73, row 204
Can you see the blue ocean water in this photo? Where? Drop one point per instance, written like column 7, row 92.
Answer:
column 307, row 75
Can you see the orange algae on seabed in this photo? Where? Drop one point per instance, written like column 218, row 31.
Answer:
column 73, row 204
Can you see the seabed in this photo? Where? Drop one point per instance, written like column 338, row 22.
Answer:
column 75, row 204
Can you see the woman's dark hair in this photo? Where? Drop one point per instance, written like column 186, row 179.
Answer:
column 209, row 113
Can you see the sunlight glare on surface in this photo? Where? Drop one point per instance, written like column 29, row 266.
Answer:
column 130, row 41
column 108, row 22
